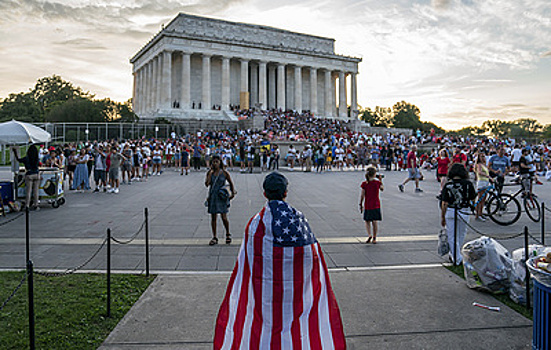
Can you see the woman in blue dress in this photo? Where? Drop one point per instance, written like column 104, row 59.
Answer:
column 218, row 200
column 80, row 179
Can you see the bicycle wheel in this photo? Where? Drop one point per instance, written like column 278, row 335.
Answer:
column 504, row 210
column 532, row 207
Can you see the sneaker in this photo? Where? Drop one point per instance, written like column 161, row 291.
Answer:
column 105, row 189
column 96, row 190
column 481, row 219
column 401, row 187
column 111, row 190
column 539, row 182
column 418, row 190
column 116, row 190
column 129, row 182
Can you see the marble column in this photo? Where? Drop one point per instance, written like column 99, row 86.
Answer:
column 141, row 91
column 158, row 82
column 353, row 94
column 155, row 83
column 225, row 83
column 298, row 89
column 342, row 95
column 185, row 102
column 262, row 86
column 147, row 87
column 272, row 87
column 254, row 85
column 314, row 90
column 328, row 94
column 135, row 92
column 244, row 80
column 166, row 93
column 205, row 99
column 281, row 86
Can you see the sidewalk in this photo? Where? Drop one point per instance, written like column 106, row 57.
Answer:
column 410, row 308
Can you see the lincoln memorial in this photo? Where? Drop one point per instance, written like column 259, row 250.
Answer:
column 198, row 67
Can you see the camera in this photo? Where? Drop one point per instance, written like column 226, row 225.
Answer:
column 381, row 176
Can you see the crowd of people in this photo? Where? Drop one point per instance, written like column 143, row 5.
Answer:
column 328, row 145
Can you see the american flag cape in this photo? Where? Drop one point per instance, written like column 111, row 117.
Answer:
column 279, row 295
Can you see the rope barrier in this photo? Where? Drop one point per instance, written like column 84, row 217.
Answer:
column 500, row 238
column 12, row 219
column 74, row 269
column 548, row 209
column 131, row 238
column 14, row 291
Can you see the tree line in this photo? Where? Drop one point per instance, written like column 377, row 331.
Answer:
column 53, row 99
column 406, row 115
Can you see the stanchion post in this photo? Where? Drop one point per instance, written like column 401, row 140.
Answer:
column 27, row 234
column 30, row 293
column 146, row 213
column 542, row 223
column 108, row 272
column 527, row 278
column 455, row 217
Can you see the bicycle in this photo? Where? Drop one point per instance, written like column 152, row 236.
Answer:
column 505, row 209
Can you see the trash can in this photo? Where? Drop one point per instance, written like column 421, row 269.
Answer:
column 6, row 191
column 542, row 324
column 542, row 307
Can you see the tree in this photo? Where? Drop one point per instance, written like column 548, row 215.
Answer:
column 406, row 115
column 497, row 128
column 76, row 110
column 49, row 90
column 529, row 127
column 381, row 116
column 21, row 106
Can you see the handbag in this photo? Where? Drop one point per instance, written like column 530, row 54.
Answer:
column 443, row 245
column 223, row 194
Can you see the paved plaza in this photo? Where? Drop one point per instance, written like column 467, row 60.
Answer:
column 393, row 295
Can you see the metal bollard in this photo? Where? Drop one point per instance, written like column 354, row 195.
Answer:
column 27, row 234
column 455, row 236
column 146, row 213
column 542, row 223
column 30, row 286
column 108, row 272
column 527, row 278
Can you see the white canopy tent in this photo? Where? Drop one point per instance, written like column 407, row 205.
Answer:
column 19, row 133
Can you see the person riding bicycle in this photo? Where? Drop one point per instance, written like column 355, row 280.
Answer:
column 499, row 165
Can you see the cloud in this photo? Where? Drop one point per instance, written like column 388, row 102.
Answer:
column 547, row 54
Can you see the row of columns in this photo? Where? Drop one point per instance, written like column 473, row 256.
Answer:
column 153, row 85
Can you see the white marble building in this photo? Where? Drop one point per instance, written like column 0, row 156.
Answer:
column 196, row 63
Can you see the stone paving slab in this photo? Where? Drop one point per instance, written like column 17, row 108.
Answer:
column 178, row 219
column 425, row 308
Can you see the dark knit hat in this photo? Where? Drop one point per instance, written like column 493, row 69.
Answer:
column 275, row 183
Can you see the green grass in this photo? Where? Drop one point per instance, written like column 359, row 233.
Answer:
column 504, row 298
column 70, row 310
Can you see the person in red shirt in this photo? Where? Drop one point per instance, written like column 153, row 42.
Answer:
column 370, row 205
column 459, row 157
column 413, row 169
column 443, row 162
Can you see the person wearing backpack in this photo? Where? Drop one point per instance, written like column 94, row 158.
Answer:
column 457, row 193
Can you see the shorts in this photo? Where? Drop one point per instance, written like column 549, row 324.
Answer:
column 100, row 175
column 177, row 156
column 156, row 160
column 114, row 173
column 413, row 173
column 515, row 164
column 372, row 215
column 481, row 185
column 126, row 166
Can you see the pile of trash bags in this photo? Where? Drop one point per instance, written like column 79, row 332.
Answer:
column 490, row 267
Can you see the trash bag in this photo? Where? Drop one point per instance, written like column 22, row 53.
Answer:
column 487, row 265
column 443, row 244
column 517, row 291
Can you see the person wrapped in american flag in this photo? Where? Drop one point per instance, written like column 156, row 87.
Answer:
column 279, row 295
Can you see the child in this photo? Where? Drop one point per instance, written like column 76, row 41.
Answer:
column 370, row 204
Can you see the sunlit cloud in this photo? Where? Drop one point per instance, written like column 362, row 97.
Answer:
column 450, row 57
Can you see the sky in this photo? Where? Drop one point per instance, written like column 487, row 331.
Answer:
column 460, row 61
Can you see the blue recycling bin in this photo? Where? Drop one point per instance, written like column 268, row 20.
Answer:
column 542, row 324
column 6, row 191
